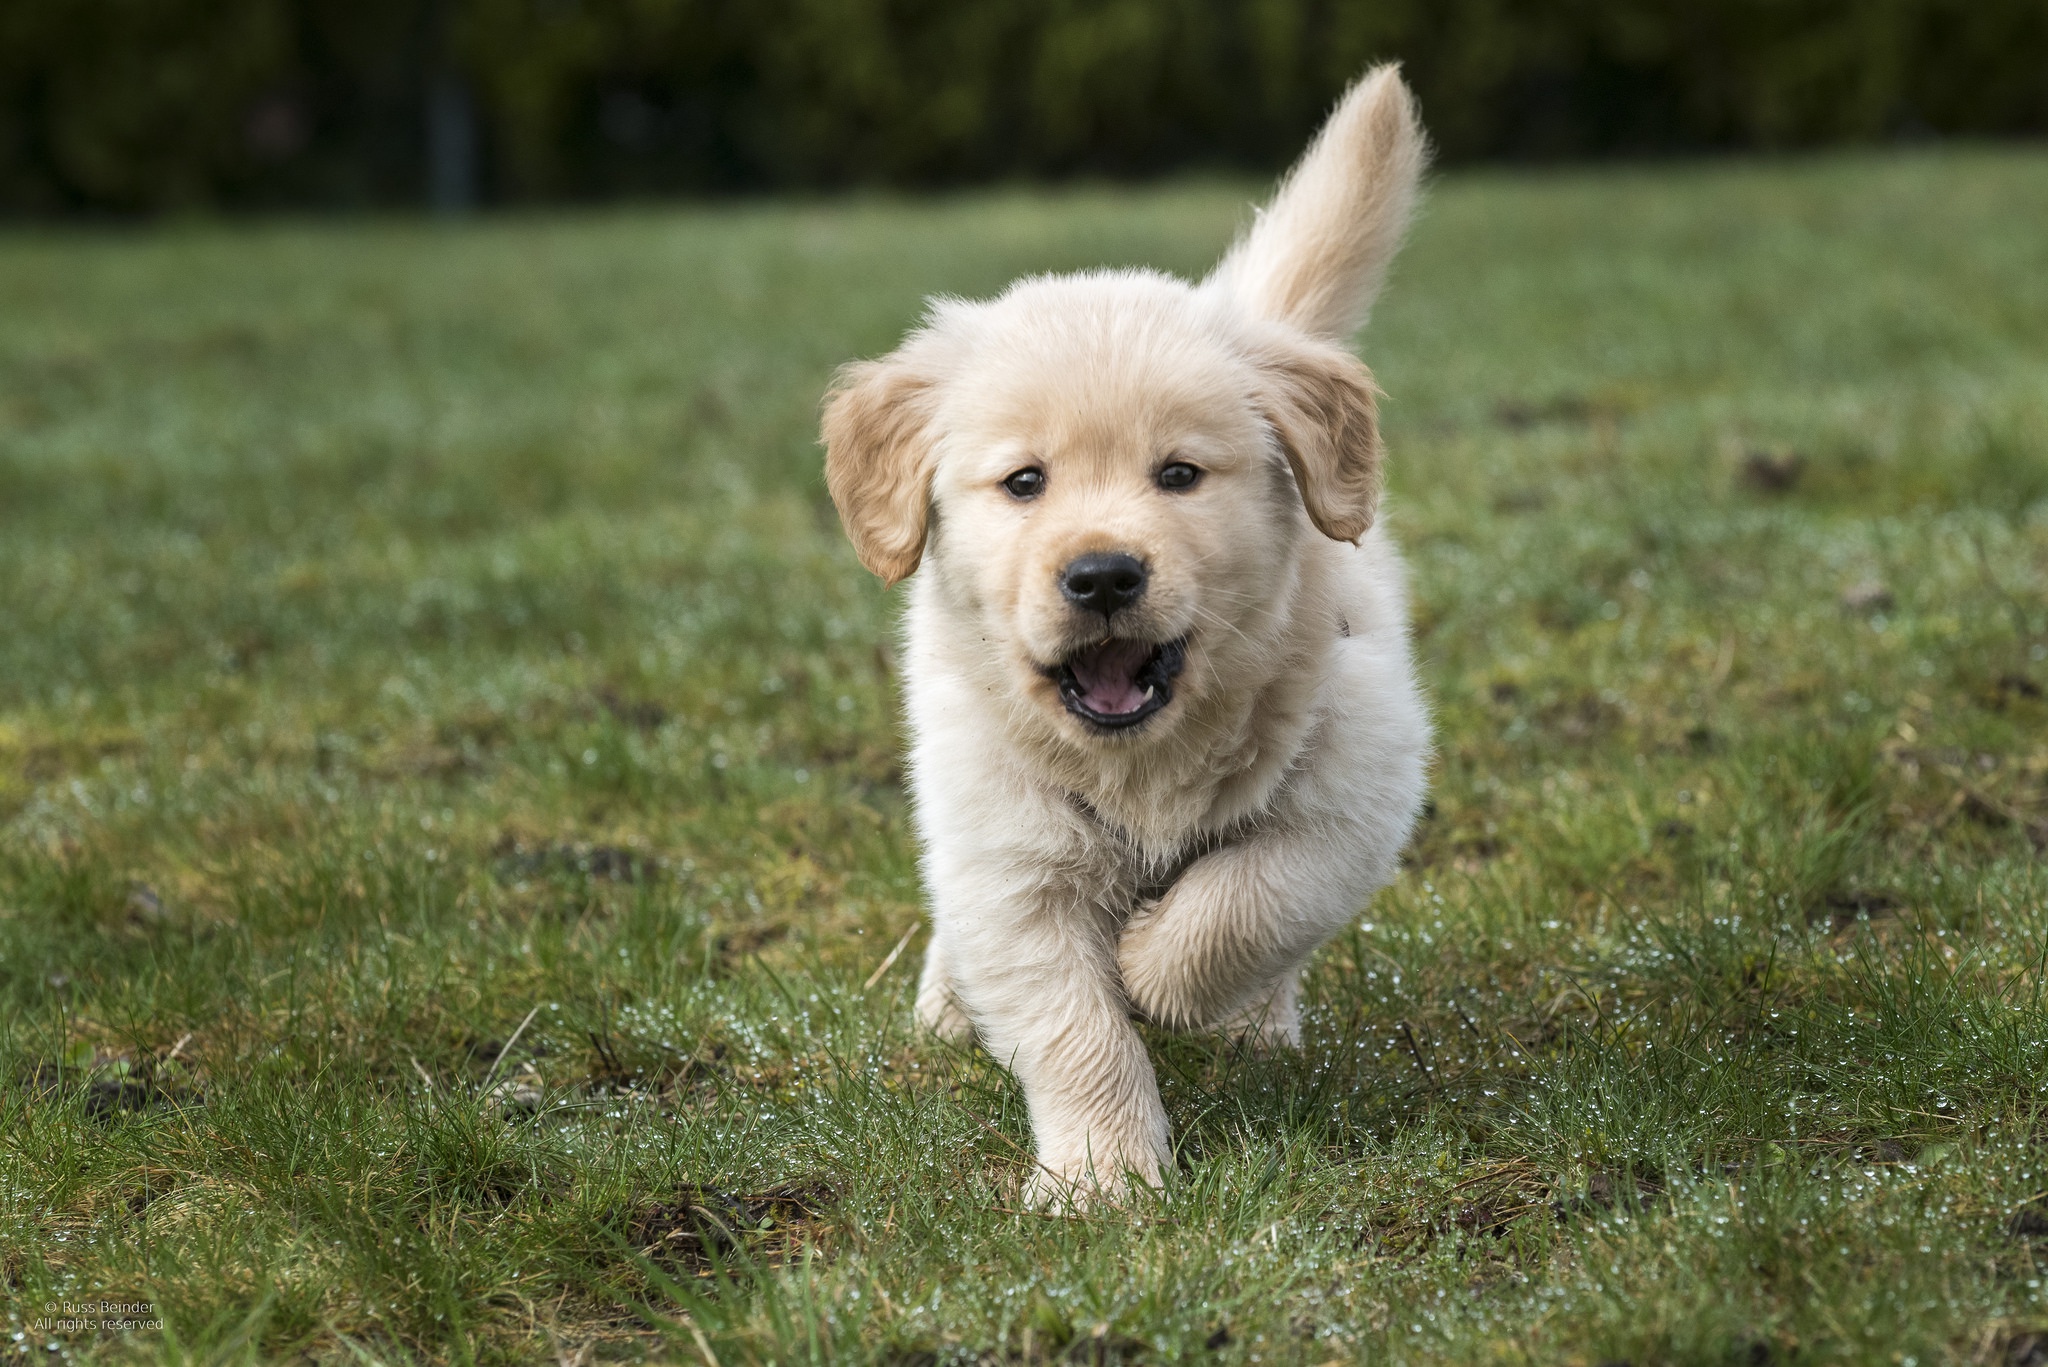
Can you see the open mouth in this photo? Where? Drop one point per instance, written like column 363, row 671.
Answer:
column 1117, row 683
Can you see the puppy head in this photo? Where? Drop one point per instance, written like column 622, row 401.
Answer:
column 1110, row 479
column 1112, row 476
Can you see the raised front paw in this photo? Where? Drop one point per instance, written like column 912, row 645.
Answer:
column 1155, row 968
column 1177, row 976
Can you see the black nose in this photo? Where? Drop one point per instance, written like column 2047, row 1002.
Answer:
column 1104, row 582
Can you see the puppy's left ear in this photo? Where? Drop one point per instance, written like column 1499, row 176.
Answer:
column 879, row 453
column 1323, row 407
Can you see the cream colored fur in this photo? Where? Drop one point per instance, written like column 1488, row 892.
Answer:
column 1182, row 870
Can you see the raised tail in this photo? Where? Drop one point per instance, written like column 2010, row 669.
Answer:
column 1317, row 255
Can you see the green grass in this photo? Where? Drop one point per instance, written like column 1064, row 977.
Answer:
column 411, row 632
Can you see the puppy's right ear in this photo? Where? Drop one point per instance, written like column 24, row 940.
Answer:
column 1323, row 408
column 879, row 452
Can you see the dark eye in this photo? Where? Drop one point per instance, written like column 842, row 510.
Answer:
column 1178, row 475
column 1026, row 483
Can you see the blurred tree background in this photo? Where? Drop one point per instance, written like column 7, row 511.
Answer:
column 141, row 105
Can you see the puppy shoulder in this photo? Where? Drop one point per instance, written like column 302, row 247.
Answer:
column 1370, row 740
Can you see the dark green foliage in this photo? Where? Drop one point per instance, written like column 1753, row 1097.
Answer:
column 125, row 105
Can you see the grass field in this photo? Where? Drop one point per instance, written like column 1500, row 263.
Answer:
column 452, row 841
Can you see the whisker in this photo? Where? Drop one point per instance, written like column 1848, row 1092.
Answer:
column 1223, row 622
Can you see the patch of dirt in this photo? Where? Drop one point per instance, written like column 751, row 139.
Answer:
column 485, row 1052
column 1482, row 1206
column 1490, row 1215
column 741, row 941
column 1994, row 811
column 1867, row 596
column 432, row 761
column 1473, row 851
column 1519, row 415
column 1610, row 1187
column 2006, row 688
column 1772, row 471
column 1579, row 718
column 145, row 905
column 1098, row 1347
column 474, row 727
column 1101, row 1347
column 605, row 863
column 44, row 761
column 1846, row 907
column 699, row 1228
column 631, row 1066
column 639, row 713
column 2030, row 1221
column 2021, row 1348
column 153, row 1185
column 106, row 1097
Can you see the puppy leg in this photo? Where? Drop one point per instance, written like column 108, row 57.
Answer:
column 1228, row 938
column 938, row 1005
column 1043, row 991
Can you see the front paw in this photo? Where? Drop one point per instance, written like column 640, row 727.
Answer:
column 1079, row 1183
column 1153, row 968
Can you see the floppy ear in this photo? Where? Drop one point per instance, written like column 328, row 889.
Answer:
column 878, row 460
column 1323, row 407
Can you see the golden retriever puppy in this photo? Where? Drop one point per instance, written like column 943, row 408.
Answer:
column 1166, row 735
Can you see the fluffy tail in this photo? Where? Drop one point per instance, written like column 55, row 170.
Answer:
column 1316, row 255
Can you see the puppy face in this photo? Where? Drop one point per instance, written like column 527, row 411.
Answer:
column 1110, row 478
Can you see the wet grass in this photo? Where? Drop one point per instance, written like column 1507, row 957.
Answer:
column 451, row 831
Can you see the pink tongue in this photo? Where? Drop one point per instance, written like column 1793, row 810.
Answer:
column 1108, row 676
